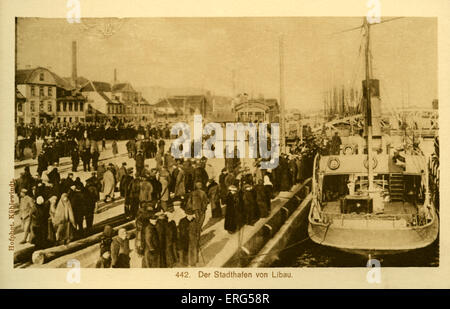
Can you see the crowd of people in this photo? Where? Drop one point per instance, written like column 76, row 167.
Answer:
column 168, row 202
column 58, row 138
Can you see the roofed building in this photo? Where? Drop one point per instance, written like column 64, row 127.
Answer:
column 260, row 110
column 41, row 89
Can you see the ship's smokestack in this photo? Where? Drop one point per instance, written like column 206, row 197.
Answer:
column 74, row 63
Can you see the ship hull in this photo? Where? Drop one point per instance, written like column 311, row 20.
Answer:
column 375, row 242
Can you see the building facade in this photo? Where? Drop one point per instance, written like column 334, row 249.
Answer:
column 38, row 86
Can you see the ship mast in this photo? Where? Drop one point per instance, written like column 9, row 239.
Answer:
column 368, row 115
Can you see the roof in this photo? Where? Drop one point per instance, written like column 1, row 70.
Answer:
column 102, row 86
column 123, row 87
column 22, row 77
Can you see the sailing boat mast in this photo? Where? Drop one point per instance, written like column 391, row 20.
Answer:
column 368, row 115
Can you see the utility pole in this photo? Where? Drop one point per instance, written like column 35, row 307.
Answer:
column 282, row 134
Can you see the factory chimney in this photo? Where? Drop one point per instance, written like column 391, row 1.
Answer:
column 74, row 63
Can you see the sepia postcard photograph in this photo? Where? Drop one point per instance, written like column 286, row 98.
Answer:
column 276, row 148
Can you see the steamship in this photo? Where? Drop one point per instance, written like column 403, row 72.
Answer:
column 369, row 198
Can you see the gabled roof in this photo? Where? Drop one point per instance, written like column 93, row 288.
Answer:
column 96, row 86
column 102, row 86
column 123, row 87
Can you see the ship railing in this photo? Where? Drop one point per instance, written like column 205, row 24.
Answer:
column 410, row 220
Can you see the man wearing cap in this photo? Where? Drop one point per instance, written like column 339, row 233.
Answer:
column 26, row 204
column 187, row 241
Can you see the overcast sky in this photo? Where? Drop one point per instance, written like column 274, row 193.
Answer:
column 203, row 52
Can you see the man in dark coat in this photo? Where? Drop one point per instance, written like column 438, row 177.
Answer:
column 171, row 256
column 125, row 181
column 335, row 144
column 86, row 157
column 95, row 157
column 214, row 198
column 54, row 177
column 200, row 175
column 140, row 162
column 261, row 200
column 283, row 175
column 152, row 246
column 42, row 162
column 161, row 229
column 75, row 159
column 132, row 198
column 223, row 189
column 250, row 208
column 187, row 241
column 39, row 223
column 67, row 183
column 78, row 202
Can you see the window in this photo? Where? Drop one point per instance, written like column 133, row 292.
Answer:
column 41, row 106
column 50, row 91
column 19, row 107
column 81, row 106
column 32, row 106
column 32, row 91
column 75, row 106
column 70, row 106
column 41, row 77
column 49, row 107
column 76, row 119
column 58, row 106
column 41, row 91
column 64, row 119
column 70, row 119
column 64, row 106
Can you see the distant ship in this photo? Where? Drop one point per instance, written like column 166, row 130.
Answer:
column 371, row 199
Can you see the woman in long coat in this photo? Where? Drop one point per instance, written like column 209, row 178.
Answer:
column 64, row 220
column 232, row 211
column 250, row 207
column 109, row 183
